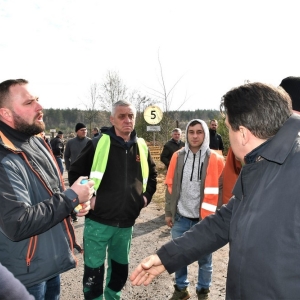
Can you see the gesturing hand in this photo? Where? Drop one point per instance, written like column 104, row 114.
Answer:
column 147, row 270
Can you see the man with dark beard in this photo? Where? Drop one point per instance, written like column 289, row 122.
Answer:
column 216, row 142
column 36, row 237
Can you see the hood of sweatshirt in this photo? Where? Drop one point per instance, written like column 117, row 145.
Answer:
column 205, row 143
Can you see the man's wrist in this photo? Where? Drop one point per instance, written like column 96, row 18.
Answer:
column 145, row 201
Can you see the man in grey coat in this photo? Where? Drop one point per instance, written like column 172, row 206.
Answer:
column 261, row 220
column 75, row 145
column 73, row 149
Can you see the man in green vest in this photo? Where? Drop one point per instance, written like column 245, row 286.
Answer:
column 125, row 180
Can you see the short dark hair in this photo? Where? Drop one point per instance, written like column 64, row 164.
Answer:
column 193, row 123
column 5, row 86
column 259, row 107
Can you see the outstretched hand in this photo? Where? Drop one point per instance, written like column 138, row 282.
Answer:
column 147, row 270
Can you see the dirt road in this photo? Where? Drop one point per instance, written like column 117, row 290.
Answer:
column 150, row 232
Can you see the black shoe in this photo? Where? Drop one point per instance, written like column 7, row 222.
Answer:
column 180, row 294
column 203, row 294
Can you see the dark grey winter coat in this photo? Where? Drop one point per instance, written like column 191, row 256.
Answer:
column 261, row 223
column 36, row 236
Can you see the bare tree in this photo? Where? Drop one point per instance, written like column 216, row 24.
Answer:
column 166, row 95
column 90, row 112
column 112, row 90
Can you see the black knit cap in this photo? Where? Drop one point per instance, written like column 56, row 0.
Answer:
column 60, row 132
column 291, row 85
column 79, row 126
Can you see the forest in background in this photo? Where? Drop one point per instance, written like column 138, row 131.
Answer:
column 66, row 119
column 102, row 95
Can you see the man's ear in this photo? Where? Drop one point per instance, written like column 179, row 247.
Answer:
column 5, row 114
column 244, row 133
column 111, row 119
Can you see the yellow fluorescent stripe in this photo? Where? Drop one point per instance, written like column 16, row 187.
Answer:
column 209, row 207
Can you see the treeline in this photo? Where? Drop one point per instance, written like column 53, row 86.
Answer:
column 65, row 119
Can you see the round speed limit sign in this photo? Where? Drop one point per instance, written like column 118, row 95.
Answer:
column 153, row 114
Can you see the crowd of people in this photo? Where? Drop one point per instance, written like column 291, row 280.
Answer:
column 248, row 201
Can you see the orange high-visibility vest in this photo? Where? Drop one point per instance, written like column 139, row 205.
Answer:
column 211, row 184
column 231, row 173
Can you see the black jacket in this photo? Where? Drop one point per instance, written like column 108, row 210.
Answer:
column 169, row 148
column 215, row 140
column 261, row 223
column 57, row 146
column 120, row 195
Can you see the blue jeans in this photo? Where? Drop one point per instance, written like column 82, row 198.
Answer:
column 46, row 290
column 181, row 225
column 60, row 164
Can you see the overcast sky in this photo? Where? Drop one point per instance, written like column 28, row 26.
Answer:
column 62, row 46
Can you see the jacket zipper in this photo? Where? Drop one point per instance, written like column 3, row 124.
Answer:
column 33, row 239
column 31, row 251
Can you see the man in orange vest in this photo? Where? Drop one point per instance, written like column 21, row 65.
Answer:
column 194, row 190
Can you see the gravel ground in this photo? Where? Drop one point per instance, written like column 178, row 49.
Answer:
column 150, row 233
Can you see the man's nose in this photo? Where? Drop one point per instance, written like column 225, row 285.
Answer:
column 39, row 106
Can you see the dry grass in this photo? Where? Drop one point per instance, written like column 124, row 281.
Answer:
column 159, row 196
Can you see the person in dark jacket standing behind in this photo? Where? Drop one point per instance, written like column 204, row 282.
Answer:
column 57, row 146
column 173, row 145
column 215, row 139
column 36, row 235
column 95, row 132
column 75, row 145
column 125, row 180
column 73, row 148
column 261, row 220
column 291, row 85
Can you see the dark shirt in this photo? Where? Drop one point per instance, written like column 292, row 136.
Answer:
column 57, row 146
column 169, row 148
column 215, row 140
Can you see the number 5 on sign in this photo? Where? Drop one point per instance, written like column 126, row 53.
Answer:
column 153, row 114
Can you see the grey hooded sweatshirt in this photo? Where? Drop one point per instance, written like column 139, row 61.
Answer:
column 187, row 194
column 190, row 193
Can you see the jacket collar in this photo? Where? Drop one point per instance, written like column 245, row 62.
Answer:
column 12, row 138
column 282, row 143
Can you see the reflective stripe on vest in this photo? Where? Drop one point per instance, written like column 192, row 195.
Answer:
column 211, row 184
column 101, row 157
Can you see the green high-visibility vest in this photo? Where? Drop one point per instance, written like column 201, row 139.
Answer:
column 101, row 157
